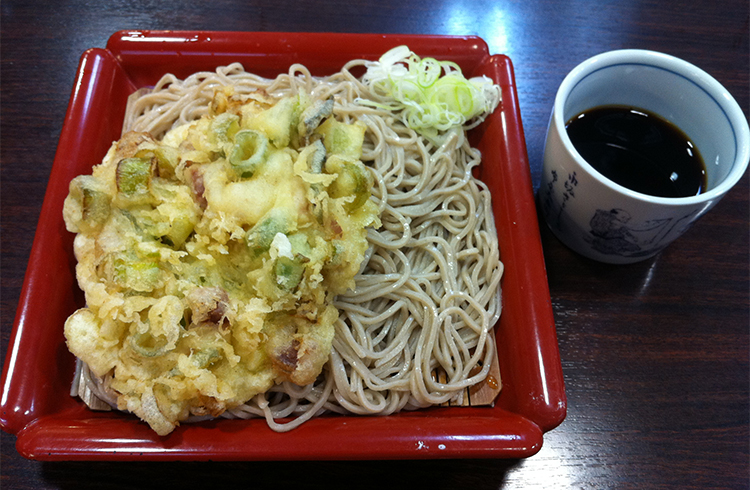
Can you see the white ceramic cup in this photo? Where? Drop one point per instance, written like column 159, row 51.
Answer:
column 605, row 221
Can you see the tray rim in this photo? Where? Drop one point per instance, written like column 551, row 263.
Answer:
column 36, row 433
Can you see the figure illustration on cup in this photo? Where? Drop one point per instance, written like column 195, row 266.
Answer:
column 640, row 145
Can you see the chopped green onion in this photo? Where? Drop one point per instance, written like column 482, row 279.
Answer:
column 249, row 151
column 428, row 95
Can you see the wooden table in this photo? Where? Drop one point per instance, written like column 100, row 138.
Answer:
column 655, row 355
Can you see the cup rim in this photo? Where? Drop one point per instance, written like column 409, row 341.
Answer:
column 688, row 70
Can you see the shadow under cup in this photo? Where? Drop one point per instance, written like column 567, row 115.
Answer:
column 604, row 220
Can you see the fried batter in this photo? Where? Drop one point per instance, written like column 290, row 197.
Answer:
column 210, row 259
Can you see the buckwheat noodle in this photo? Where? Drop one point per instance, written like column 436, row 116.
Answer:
column 428, row 293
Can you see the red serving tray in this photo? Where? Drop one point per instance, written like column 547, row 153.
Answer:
column 52, row 425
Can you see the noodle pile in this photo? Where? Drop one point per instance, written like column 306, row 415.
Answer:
column 428, row 294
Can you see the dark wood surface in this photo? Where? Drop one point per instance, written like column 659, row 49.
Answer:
column 655, row 355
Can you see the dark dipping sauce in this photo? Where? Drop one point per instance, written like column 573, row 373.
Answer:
column 639, row 150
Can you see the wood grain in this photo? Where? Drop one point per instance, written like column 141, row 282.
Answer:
column 655, row 354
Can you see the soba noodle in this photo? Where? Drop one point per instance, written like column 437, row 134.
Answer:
column 428, row 294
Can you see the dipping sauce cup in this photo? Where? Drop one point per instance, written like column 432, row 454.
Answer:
column 609, row 222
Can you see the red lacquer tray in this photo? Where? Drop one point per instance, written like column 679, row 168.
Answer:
column 52, row 425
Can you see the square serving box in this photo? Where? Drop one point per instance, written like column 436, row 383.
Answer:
column 51, row 425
